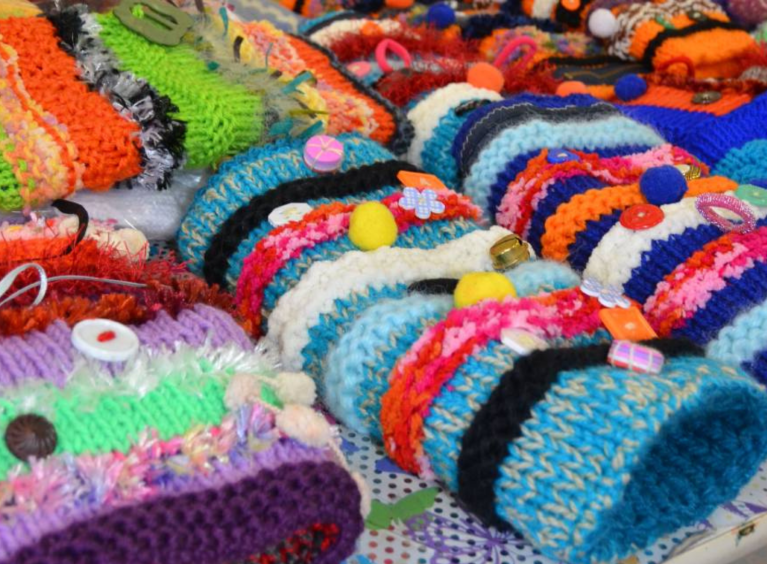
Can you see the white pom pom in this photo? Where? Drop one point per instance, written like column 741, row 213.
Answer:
column 242, row 389
column 304, row 424
column 295, row 387
column 366, row 502
column 603, row 23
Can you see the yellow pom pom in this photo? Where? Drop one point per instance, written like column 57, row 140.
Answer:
column 477, row 286
column 371, row 226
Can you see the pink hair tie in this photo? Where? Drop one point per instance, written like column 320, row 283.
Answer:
column 512, row 47
column 394, row 47
column 706, row 203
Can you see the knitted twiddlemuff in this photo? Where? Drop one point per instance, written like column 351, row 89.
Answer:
column 176, row 456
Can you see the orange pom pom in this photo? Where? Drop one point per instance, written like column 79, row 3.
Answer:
column 571, row 87
column 485, row 75
column 400, row 4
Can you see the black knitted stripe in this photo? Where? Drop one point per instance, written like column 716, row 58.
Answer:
column 299, row 5
column 362, row 180
column 504, row 117
column 499, row 422
column 706, row 25
column 433, row 286
column 314, row 28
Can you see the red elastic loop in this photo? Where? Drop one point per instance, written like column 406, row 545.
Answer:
column 686, row 61
column 512, row 47
column 394, row 47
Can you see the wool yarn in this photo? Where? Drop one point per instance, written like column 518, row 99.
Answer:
column 230, row 215
column 359, row 366
column 351, row 106
column 496, row 141
column 361, row 279
column 182, row 437
column 700, row 30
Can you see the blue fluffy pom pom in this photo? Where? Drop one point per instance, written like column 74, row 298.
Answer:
column 630, row 87
column 663, row 185
column 440, row 15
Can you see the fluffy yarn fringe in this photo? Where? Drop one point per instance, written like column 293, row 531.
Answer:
column 162, row 137
column 285, row 115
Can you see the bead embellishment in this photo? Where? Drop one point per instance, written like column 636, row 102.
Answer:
column 706, row 203
column 424, row 202
column 634, row 357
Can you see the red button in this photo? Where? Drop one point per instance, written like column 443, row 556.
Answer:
column 641, row 216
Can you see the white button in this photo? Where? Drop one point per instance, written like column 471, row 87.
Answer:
column 105, row 340
column 287, row 213
column 522, row 342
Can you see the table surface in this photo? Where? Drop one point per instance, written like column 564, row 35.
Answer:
column 426, row 525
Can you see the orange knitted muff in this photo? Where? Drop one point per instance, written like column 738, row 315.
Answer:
column 107, row 144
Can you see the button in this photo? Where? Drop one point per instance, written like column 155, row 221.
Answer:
column 571, row 5
column 591, row 287
column 752, row 194
column 634, row 357
column 29, row 436
column 508, row 252
column 556, row 156
column 160, row 22
column 323, row 153
column 485, row 75
column 360, row 69
column 522, row 342
column 627, row 324
column 690, row 172
column 420, row 180
column 105, row 340
column 288, row 213
column 612, row 297
column 707, row 97
column 641, row 216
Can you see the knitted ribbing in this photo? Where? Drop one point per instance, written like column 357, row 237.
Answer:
column 251, row 174
column 298, row 310
column 222, row 118
column 358, row 368
column 251, row 515
column 534, row 135
column 507, row 409
column 161, row 136
column 571, row 217
column 745, row 163
column 607, row 441
column 435, row 357
column 107, row 143
column 740, row 342
column 225, row 242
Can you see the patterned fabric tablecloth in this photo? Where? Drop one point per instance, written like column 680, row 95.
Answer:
column 417, row 522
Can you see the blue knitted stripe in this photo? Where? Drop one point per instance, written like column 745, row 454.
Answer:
column 519, row 163
column 742, row 340
column 744, row 164
column 712, row 140
column 250, row 174
column 608, row 442
column 738, row 295
column 536, row 276
column 758, row 367
column 436, row 158
column 426, row 236
column 459, row 401
column 586, row 241
column 559, row 192
column 673, row 124
column 359, row 368
column 665, row 255
column 332, row 325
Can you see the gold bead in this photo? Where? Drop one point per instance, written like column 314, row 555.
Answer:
column 508, row 252
column 690, row 172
